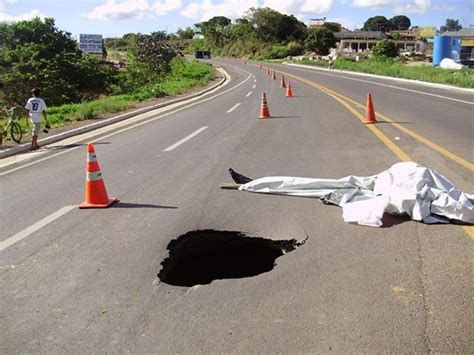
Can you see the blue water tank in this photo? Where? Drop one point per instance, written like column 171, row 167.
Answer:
column 441, row 49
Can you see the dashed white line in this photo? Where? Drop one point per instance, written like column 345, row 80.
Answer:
column 250, row 93
column 185, row 139
column 254, row 86
column 233, row 108
column 33, row 228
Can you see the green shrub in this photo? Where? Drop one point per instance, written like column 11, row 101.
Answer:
column 278, row 52
column 395, row 68
column 294, row 48
column 385, row 48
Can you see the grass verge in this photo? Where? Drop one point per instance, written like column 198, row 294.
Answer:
column 184, row 76
column 462, row 78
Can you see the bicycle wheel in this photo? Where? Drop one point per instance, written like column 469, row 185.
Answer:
column 15, row 132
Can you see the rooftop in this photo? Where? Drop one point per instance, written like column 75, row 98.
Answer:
column 465, row 32
column 361, row 35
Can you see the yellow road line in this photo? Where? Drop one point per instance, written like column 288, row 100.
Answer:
column 412, row 134
column 385, row 140
column 392, row 146
column 469, row 230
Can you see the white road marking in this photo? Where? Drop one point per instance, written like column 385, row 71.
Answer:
column 33, row 228
column 185, row 139
column 250, row 93
column 395, row 87
column 129, row 125
column 254, row 86
column 233, row 108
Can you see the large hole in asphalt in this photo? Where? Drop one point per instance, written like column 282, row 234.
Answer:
column 199, row 257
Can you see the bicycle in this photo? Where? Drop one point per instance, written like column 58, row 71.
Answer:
column 12, row 127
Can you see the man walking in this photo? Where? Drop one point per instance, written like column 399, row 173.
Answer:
column 36, row 107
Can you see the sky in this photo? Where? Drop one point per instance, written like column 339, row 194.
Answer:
column 113, row 18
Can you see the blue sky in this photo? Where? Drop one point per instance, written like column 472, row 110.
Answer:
column 116, row 17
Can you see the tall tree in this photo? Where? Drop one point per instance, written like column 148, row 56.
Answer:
column 377, row 23
column 450, row 25
column 214, row 30
column 273, row 27
column 320, row 40
column 400, row 22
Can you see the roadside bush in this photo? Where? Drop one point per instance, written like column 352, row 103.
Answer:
column 294, row 48
column 278, row 52
column 394, row 68
column 385, row 48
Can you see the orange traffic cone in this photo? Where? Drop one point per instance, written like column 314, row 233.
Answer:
column 96, row 194
column 264, row 111
column 268, row 71
column 369, row 112
column 273, row 75
column 260, row 66
column 289, row 92
column 282, row 81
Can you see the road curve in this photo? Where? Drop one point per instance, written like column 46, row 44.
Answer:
column 86, row 280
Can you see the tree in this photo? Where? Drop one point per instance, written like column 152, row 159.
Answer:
column 187, row 33
column 333, row 26
column 400, row 23
column 450, row 25
column 377, row 23
column 273, row 27
column 37, row 54
column 149, row 61
column 320, row 40
column 214, row 30
column 385, row 48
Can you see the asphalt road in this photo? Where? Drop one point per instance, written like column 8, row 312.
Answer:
column 86, row 280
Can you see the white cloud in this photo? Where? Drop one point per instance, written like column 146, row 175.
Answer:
column 299, row 7
column 206, row 9
column 419, row 6
column 312, row 6
column 373, row 3
column 162, row 8
column 23, row 17
column 398, row 6
column 113, row 10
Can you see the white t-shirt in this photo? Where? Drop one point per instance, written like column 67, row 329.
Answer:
column 36, row 106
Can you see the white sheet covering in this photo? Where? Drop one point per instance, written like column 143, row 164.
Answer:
column 405, row 188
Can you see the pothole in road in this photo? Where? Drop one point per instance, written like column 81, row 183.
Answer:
column 199, row 257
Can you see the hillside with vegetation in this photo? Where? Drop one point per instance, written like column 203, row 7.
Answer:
column 79, row 86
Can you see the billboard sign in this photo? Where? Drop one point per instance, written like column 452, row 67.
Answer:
column 90, row 43
column 428, row 31
column 467, row 42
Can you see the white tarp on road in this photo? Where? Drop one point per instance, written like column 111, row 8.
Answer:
column 405, row 188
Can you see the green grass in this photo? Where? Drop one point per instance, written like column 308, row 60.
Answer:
column 462, row 78
column 184, row 76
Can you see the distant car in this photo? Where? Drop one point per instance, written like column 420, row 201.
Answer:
column 203, row 55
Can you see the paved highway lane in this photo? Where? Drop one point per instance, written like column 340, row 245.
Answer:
column 445, row 117
column 87, row 280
